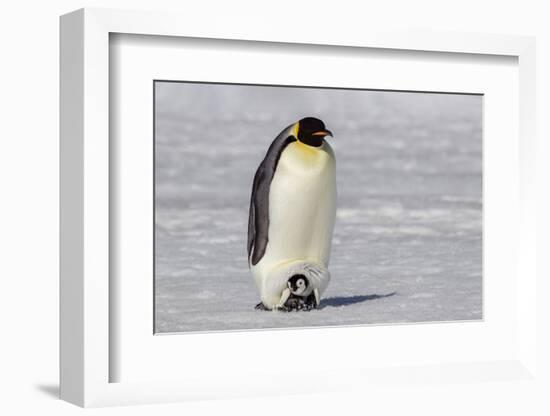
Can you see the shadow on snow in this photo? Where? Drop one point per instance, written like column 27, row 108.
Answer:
column 350, row 300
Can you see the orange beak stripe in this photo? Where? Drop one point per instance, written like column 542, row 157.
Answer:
column 321, row 133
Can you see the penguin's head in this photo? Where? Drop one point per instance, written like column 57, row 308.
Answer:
column 298, row 284
column 312, row 131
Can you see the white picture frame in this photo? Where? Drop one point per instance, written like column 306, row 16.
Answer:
column 87, row 355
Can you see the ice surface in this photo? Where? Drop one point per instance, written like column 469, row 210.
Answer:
column 407, row 243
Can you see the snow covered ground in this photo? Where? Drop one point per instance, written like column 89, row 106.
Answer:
column 407, row 243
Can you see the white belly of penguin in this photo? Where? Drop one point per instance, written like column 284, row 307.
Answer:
column 302, row 208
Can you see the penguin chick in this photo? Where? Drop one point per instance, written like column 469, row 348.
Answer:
column 298, row 295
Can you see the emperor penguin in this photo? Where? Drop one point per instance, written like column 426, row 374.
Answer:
column 292, row 213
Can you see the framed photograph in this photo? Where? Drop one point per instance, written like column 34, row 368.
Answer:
column 395, row 204
column 238, row 212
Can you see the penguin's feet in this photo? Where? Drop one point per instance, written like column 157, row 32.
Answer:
column 310, row 303
column 308, row 307
column 298, row 303
column 291, row 305
column 261, row 307
column 294, row 303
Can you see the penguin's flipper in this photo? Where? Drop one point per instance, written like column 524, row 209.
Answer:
column 258, row 217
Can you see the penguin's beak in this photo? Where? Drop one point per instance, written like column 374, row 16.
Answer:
column 323, row 133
